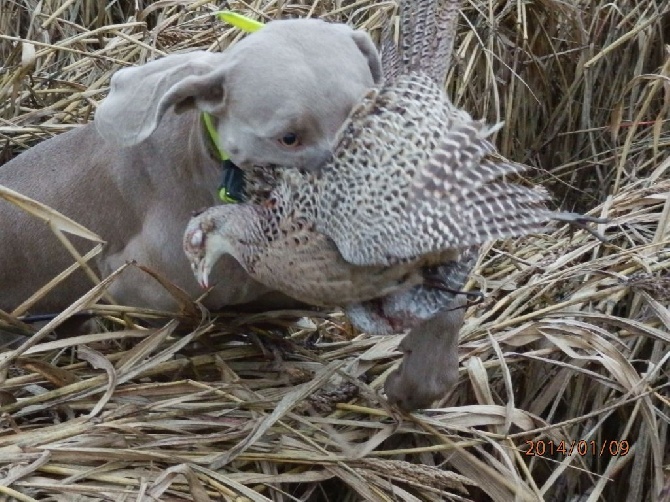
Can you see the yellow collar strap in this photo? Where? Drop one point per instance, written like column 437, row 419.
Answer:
column 214, row 136
column 244, row 23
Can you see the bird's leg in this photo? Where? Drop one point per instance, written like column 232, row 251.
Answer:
column 438, row 283
column 452, row 275
column 477, row 297
column 580, row 221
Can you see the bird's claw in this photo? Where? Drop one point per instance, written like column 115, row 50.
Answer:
column 477, row 297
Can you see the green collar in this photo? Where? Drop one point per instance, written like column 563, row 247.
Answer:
column 214, row 136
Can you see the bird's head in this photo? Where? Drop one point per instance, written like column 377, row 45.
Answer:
column 206, row 239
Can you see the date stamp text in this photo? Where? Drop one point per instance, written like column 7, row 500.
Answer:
column 581, row 447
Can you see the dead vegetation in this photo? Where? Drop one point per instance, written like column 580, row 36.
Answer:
column 571, row 347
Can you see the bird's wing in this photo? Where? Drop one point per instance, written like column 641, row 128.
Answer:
column 426, row 33
column 412, row 174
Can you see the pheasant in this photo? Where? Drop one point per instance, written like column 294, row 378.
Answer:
column 389, row 228
column 412, row 181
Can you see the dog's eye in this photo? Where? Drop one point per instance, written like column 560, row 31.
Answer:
column 290, row 139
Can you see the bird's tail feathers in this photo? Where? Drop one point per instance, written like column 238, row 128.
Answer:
column 490, row 212
column 427, row 29
column 501, row 211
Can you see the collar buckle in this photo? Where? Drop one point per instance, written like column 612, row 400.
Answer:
column 232, row 187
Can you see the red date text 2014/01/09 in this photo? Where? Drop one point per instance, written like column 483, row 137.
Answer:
column 543, row 448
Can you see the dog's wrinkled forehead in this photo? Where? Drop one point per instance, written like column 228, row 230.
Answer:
column 301, row 49
column 304, row 35
column 310, row 63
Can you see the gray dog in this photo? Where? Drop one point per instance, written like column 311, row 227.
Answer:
column 278, row 96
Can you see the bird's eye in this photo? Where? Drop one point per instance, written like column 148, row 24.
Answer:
column 290, row 140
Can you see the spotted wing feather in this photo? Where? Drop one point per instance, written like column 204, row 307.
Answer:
column 413, row 175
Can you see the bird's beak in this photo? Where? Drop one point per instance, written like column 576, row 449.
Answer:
column 201, row 270
column 194, row 246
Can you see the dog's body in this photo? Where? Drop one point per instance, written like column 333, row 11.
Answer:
column 138, row 183
column 137, row 205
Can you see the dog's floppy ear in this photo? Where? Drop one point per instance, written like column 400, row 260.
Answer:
column 139, row 96
column 429, row 367
column 367, row 47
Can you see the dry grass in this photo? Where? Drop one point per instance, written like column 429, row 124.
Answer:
column 573, row 342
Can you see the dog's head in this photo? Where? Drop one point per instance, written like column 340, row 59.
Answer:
column 278, row 96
